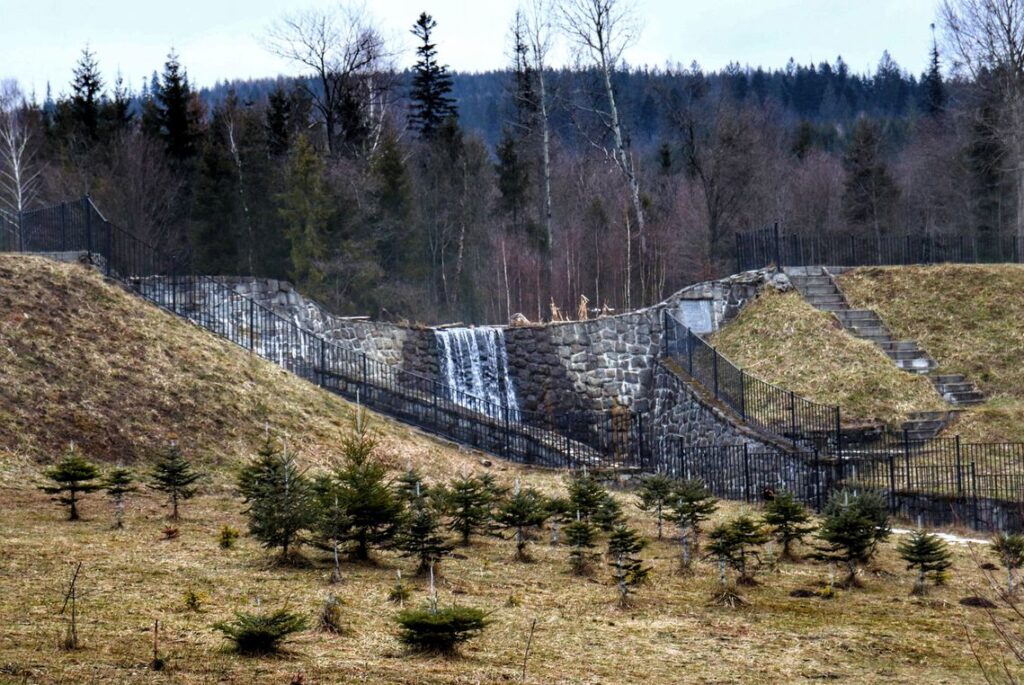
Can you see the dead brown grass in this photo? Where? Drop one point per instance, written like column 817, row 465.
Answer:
column 671, row 634
column 969, row 318
column 82, row 360
column 783, row 340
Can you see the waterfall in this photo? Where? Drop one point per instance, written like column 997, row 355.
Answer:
column 473, row 365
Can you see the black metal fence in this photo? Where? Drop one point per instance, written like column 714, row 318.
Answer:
column 563, row 440
column 807, row 425
column 934, row 482
column 767, row 246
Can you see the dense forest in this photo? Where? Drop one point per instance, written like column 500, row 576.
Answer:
column 434, row 196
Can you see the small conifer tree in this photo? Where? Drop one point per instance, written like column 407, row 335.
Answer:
column 580, row 535
column 526, row 508
column 593, row 502
column 468, row 505
column 790, row 521
column 1009, row 547
column 367, row 496
column 628, row 570
column 421, row 536
column 73, row 477
column 655, row 494
column 690, row 505
column 929, row 555
column 119, row 483
column 410, row 486
column 735, row 543
column 174, row 476
column 333, row 523
column 280, row 499
column 853, row 526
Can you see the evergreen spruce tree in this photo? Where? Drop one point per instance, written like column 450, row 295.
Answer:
column 278, row 122
column 593, row 502
column 119, row 483
column 513, row 179
column 735, row 543
column 421, row 536
column 174, row 117
column 579, row 536
column 690, row 504
column 366, row 495
column 628, row 570
column 526, row 508
column 790, row 521
column 410, row 486
column 119, row 113
column 174, row 476
column 73, row 477
column 86, row 96
column 1009, row 548
column 853, row 526
column 216, row 212
column 655, row 495
column 468, row 508
column 280, row 498
column 305, row 209
column 431, row 104
column 929, row 555
column 333, row 524
column 870, row 193
column 932, row 85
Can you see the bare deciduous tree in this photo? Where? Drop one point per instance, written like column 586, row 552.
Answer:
column 987, row 37
column 348, row 59
column 19, row 171
column 603, row 30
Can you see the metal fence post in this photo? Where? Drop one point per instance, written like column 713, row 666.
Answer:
column 323, row 362
column 252, row 325
column 959, row 473
column 743, row 398
column 974, row 493
column 88, row 228
column 21, row 231
column 778, row 251
column 746, row 471
column 906, row 456
column 714, row 369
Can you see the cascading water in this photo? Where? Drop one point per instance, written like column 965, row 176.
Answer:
column 473, row 365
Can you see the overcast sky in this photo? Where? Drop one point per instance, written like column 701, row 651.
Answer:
column 221, row 39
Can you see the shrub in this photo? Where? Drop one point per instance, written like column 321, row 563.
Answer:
column 257, row 634
column 790, row 521
column 330, row 619
column 929, row 555
column 853, row 527
column 194, row 600
column 440, row 630
column 73, row 476
column 228, row 537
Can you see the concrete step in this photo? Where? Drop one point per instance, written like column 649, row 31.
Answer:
column 930, row 416
column 870, row 331
column 969, row 397
column 920, row 365
column 955, row 387
column 804, row 281
column 858, row 315
column 830, row 306
column 920, row 434
column 907, row 355
column 819, row 300
column 923, row 425
column 948, row 378
column 811, row 291
column 900, row 346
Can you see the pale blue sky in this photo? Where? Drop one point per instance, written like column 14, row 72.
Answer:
column 217, row 39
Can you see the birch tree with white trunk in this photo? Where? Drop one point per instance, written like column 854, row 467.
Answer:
column 602, row 30
column 20, row 173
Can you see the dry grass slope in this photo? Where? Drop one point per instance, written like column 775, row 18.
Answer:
column 82, row 360
column 970, row 318
column 783, row 340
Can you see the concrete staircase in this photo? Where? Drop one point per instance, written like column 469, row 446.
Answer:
column 818, row 287
column 957, row 390
column 925, row 425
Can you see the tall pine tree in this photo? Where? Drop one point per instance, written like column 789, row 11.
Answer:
column 431, row 102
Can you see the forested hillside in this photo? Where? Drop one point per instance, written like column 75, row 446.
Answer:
column 434, row 196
